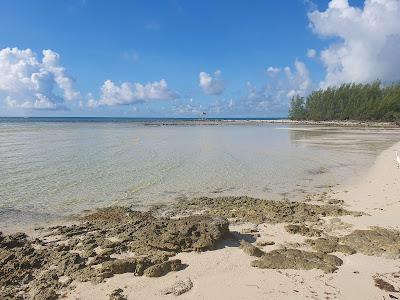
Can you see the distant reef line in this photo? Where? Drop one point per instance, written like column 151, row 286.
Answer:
column 333, row 123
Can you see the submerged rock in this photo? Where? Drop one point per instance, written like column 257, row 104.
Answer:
column 260, row 211
column 298, row 260
column 250, row 249
column 375, row 241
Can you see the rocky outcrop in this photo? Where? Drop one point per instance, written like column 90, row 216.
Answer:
column 259, row 211
column 329, row 245
column 178, row 288
column 143, row 233
column 163, row 268
column 375, row 241
column 41, row 268
column 303, row 230
column 250, row 249
column 117, row 295
column 298, row 260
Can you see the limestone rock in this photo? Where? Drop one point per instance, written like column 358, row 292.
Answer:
column 163, row 268
column 303, row 230
column 259, row 211
column 330, row 244
column 298, row 260
column 376, row 241
column 178, row 288
column 265, row 243
column 250, row 249
column 117, row 295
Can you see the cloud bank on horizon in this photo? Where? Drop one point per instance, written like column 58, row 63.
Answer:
column 363, row 45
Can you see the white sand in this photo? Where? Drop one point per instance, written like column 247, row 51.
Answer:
column 226, row 273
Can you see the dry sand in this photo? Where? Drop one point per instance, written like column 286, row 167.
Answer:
column 226, row 273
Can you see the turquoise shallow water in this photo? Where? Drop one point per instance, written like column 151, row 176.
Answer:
column 58, row 167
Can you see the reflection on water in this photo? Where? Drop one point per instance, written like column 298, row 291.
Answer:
column 52, row 169
column 351, row 139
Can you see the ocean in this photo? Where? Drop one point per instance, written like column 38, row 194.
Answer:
column 53, row 167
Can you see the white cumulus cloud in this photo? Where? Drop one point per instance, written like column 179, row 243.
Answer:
column 189, row 107
column 311, row 53
column 211, row 85
column 33, row 83
column 274, row 96
column 132, row 93
column 272, row 71
column 369, row 40
column 299, row 81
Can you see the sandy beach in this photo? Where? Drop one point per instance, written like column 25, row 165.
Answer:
column 326, row 248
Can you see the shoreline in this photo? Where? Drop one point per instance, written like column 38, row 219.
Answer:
column 208, row 121
column 226, row 272
column 322, row 161
column 223, row 269
column 333, row 123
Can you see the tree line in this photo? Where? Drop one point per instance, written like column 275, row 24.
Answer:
column 351, row 101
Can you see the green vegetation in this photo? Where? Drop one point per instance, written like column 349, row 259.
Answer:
column 351, row 101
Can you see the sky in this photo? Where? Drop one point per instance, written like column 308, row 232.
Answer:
column 179, row 58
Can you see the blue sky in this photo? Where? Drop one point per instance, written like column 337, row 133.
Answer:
column 178, row 58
